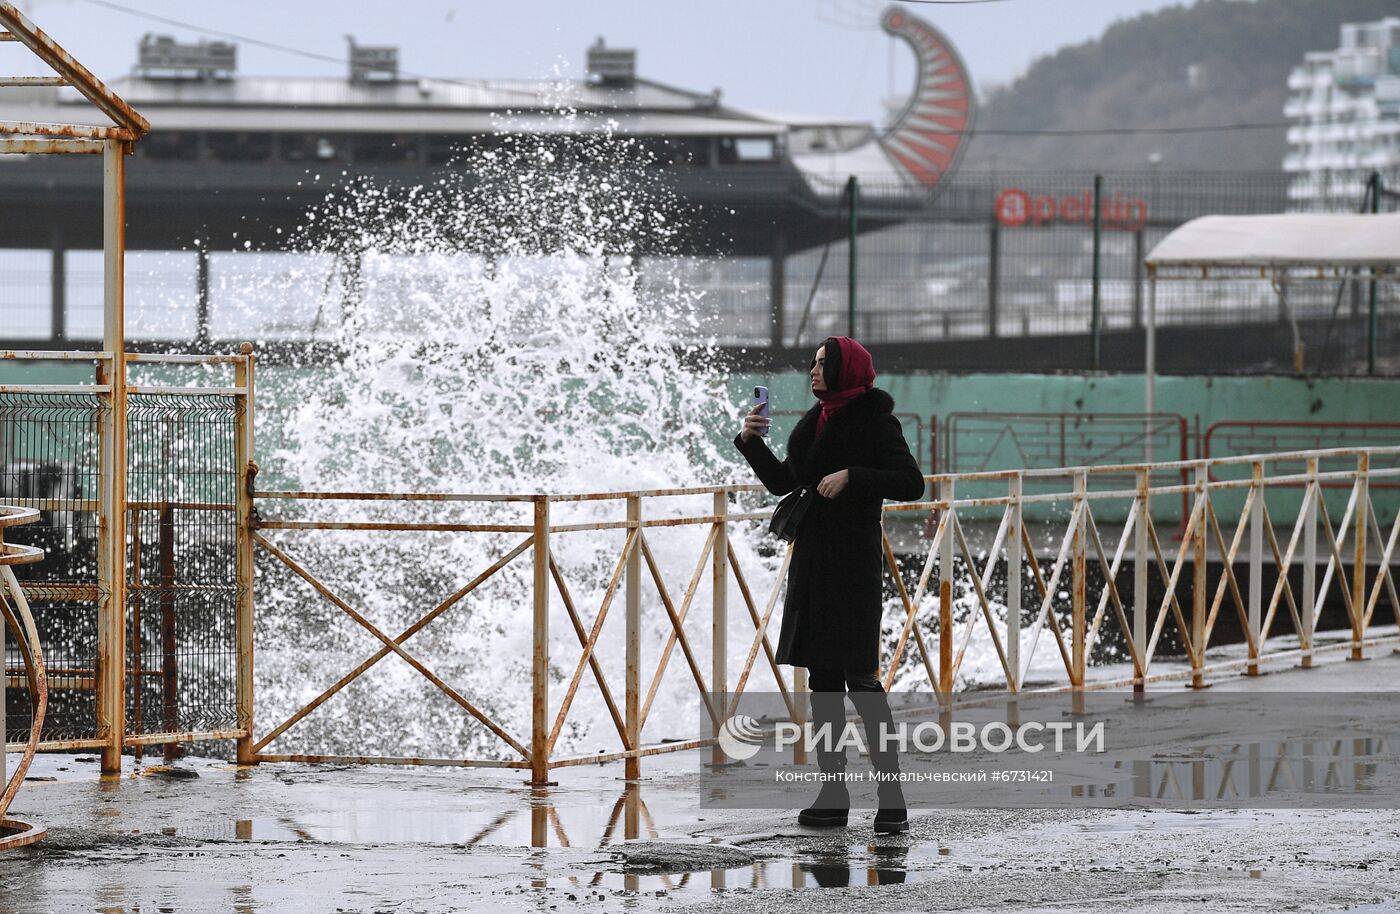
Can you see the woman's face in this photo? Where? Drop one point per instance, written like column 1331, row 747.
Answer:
column 817, row 375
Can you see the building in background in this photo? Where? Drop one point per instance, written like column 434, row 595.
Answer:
column 1346, row 104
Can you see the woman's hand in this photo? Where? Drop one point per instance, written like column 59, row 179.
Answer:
column 754, row 424
column 833, row 484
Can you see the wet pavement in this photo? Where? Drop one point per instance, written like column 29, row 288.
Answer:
column 215, row 837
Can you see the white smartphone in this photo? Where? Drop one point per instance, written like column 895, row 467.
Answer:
column 760, row 399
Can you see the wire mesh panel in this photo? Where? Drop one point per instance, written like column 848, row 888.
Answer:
column 181, row 641
column 49, row 460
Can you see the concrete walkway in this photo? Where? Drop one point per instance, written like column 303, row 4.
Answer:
column 213, row 837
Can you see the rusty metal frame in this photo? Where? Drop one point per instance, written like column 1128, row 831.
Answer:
column 627, row 577
column 109, row 679
column 129, row 126
column 114, row 144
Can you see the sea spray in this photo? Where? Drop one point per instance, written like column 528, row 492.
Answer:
column 497, row 334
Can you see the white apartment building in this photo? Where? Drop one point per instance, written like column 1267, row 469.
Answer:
column 1346, row 108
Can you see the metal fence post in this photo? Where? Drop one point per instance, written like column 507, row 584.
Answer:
column 1138, row 252
column 243, row 502
column 111, row 614
column 1200, row 600
column 777, row 290
column 1256, row 565
column 993, row 278
column 1371, row 312
column 853, row 190
column 1097, row 303
column 1141, row 562
column 1013, row 585
column 169, row 672
column 1311, row 494
column 1358, row 573
column 945, row 595
column 633, row 597
column 719, row 618
column 1079, row 585
column 539, row 671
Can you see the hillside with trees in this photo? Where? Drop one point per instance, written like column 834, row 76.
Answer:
column 1217, row 62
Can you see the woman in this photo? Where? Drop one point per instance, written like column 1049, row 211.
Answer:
column 850, row 446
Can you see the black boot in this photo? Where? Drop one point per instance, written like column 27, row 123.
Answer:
column 874, row 708
column 833, row 803
column 893, row 816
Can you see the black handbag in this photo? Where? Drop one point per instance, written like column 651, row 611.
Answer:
column 789, row 513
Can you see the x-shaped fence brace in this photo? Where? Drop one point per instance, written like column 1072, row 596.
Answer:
column 1081, row 544
column 1082, row 532
column 588, row 637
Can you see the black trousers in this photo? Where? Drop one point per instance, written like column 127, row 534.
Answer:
column 829, row 689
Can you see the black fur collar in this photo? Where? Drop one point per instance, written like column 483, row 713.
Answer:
column 874, row 402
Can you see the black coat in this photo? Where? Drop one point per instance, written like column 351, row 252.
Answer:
column 831, row 615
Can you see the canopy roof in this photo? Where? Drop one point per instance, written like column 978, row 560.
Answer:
column 1284, row 240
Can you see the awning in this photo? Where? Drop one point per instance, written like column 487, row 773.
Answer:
column 1286, row 240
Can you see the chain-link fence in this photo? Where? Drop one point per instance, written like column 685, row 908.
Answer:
column 181, row 646
column 1051, row 257
column 995, row 271
column 49, row 459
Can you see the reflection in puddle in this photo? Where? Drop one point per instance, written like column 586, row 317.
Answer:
column 847, row 867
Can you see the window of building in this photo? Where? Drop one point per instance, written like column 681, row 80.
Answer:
column 666, row 152
column 169, row 145
column 739, row 150
column 240, row 146
column 315, row 147
column 385, row 148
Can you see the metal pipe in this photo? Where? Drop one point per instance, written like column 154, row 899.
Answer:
column 1359, row 544
column 169, row 672
column 1310, row 496
column 539, row 669
column 853, row 199
column 111, row 623
column 1096, row 315
column 719, row 617
column 1140, row 568
column 945, row 602
column 1014, row 534
column 243, row 373
column 1200, row 605
column 1256, row 567
column 1149, row 370
column 633, row 650
column 1078, row 585
column 1371, row 308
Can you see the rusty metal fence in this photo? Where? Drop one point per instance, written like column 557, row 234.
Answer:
column 1078, row 621
column 170, row 597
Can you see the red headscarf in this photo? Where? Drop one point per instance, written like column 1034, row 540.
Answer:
column 855, row 375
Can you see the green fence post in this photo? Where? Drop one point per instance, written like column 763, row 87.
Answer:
column 853, row 198
column 1098, row 268
column 1371, row 313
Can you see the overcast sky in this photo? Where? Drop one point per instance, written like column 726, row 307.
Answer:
column 824, row 57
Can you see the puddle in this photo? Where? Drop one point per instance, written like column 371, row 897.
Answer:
column 1167, row 821
column 854, row 866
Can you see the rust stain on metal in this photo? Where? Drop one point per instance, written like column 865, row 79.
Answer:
column 65, row 65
